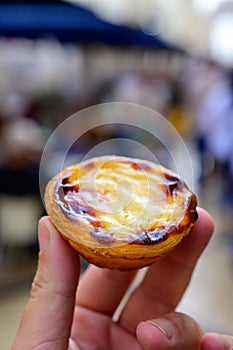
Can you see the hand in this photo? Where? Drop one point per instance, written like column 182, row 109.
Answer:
column 59, row 316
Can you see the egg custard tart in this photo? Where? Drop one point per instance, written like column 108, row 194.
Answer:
column 120, row 213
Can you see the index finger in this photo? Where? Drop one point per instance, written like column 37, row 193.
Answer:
column 167, row 279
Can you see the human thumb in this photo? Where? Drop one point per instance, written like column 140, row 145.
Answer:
column 47, row 318
column 173, row 331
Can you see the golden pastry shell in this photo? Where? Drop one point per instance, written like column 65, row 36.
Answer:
column 96, row 241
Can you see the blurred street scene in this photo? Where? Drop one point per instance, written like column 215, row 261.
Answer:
column 149, row 56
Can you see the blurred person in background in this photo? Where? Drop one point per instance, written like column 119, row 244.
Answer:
column 214, row 128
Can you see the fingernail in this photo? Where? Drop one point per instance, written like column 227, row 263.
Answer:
column 165, row 326
column 43, row 235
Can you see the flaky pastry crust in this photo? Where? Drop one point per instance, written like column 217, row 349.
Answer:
column 120, row 213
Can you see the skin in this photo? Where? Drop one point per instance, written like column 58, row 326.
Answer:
column 61, row 316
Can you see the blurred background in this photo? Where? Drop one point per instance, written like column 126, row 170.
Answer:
column 57, row 58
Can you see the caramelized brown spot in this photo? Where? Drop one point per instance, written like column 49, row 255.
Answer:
column 173, row 184
column 89, row 165
column 151, row 236
column 68, row 186
column 71, row 200
column 96, row 223
column 135, row 166
column 138, row 166
column 191, row 210
column 145, row 166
